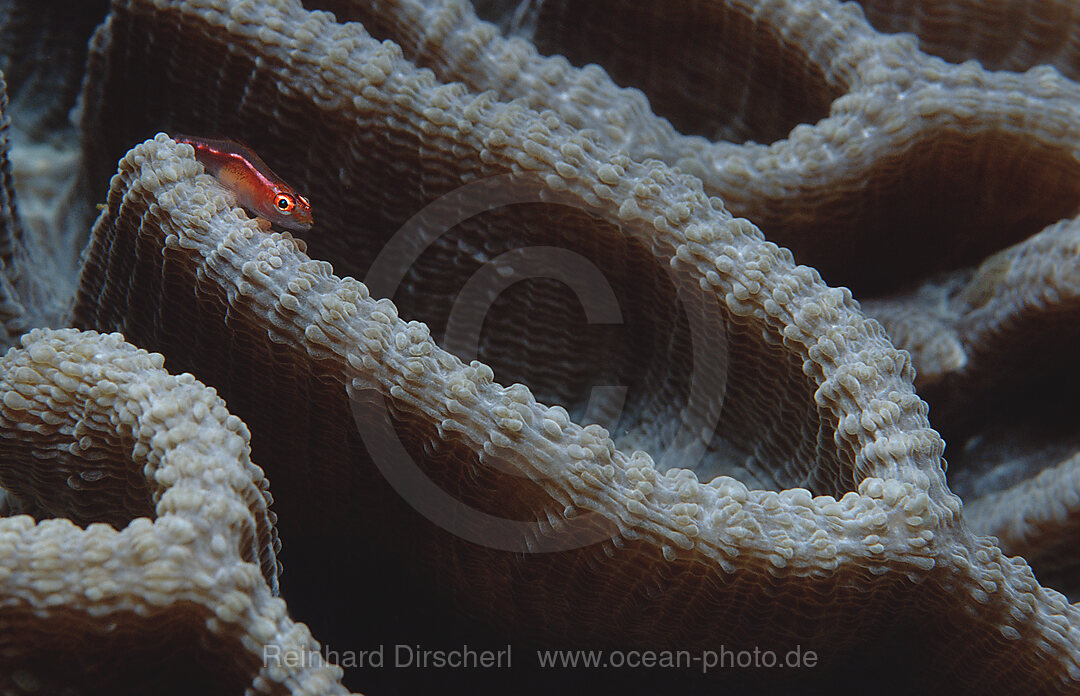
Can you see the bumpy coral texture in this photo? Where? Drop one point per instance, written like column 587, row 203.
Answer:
column 151, row 560
column 762, row 472
column 942, row 195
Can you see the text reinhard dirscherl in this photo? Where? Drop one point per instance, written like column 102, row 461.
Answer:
column 403, row 656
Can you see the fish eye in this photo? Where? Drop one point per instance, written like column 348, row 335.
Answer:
column 284, row 203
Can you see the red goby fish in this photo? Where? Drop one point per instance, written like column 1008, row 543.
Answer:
column 257, row 188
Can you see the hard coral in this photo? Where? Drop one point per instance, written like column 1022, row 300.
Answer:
column 766, row 474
